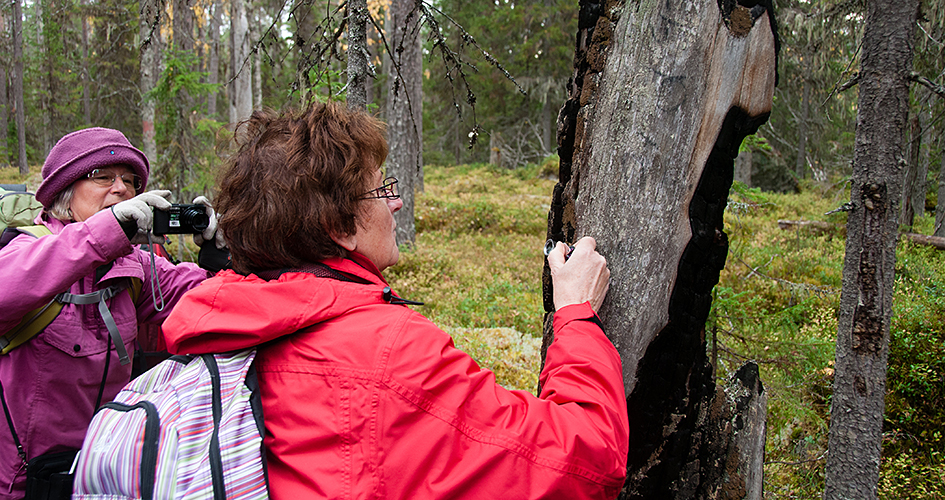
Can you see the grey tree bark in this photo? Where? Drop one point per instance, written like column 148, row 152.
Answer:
column 357, row 53
column 183, row 24
column 914, row 181
column 940, row 206
column 4, row 116
column 45, row 80
column 856, row 414
column 255, row 34
column 405, row 112
column 17, row 27
column 213, row 59
column 5, row 73
column 241, row 88
column 148, row 28
column 86, row 75
column 800, row 167
column 662, row 96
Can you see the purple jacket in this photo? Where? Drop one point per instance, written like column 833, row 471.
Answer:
column 51, row 382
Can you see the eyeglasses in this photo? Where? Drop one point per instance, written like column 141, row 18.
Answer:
column 387, row 190
column 106, row 178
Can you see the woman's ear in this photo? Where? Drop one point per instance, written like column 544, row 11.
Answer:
column 348, row 241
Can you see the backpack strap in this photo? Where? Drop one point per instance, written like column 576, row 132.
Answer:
column 100, row 297
column 38, row 319
column 35, row 231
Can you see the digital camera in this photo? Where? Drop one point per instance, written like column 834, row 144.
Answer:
column 181, row 219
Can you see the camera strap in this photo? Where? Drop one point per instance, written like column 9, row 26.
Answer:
column 155, row 283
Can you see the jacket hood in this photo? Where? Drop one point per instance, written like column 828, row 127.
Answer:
column 231, row 311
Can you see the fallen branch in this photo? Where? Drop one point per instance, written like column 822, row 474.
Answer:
column 934, row 241
column 811, row 225
column 816, row 226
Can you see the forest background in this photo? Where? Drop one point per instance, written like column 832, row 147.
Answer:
column 494, row 75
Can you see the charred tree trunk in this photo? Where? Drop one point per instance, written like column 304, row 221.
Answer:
column 661, row 98
column 856, row 412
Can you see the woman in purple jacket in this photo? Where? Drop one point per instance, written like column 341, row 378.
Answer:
column 95, row 208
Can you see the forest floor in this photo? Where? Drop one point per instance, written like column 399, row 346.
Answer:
column 477, row 265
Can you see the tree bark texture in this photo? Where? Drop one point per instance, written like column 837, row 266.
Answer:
column 663, row 94
column 879, row 157
column 4, row 115
column 357, row 54
column 213, row 63
column 86, row 75
column 45, row 81
column 183, row 25
column 148, row 21
column 241, row 88
column 405, row 112
column 20, row 115
column 912, row 181
column 800, row 166
column 940, row 205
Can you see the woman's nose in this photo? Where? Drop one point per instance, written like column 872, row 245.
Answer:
column 395, row 204
column 119, row 186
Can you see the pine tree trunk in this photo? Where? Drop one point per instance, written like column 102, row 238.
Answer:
column 357, row 54
column 4, row 116
column 45, row 80
column 662, row 96
column 241, row 97
column 940, row 205
column 257, row 58
column 18, row 87
column 149, row 31
column 800, row 167
column 213, row 63
column 856, row 414
column 86, row 75
column 183, row 26
column 910, row 183
column 405, row 113
column 305, row 21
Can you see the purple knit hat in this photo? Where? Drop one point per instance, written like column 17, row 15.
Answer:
column 82, row 151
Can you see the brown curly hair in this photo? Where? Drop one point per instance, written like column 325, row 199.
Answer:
column 295, row 180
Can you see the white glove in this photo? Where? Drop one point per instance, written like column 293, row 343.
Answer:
column 211, row 232
column 140, row 210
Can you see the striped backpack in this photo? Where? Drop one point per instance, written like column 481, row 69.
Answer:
column 189, row 428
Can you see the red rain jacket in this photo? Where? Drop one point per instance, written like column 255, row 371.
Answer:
column 367, row 399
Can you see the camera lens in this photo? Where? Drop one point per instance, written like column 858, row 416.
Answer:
column 195, row 218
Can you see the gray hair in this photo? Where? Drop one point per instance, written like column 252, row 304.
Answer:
column 60, row 208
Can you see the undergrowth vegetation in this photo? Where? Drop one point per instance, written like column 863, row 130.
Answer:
column 477, row 266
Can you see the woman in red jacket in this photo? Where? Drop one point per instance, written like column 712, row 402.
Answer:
column 364, row 397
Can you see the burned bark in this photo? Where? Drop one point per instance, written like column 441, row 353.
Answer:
column 661, row 98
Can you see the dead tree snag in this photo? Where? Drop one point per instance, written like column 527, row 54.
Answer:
column 661, row 98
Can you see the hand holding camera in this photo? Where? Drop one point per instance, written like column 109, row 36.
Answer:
column 135, row 215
